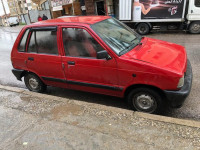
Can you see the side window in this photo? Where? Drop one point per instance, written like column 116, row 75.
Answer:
column 43, row 42
column 79, row 43
column 197, row 3
column 22, row 45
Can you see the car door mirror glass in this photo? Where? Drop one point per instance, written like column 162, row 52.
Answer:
column 103, row 55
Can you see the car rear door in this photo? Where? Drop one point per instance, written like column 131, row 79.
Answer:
column 82, row 68
column 43, row 56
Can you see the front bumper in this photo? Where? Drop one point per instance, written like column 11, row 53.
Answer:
column 177, row 98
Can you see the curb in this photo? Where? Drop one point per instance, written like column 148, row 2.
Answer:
column 183, row 122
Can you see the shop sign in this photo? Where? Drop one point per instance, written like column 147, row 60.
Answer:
column 57, row 8
column 65, row 2
column 56, row 3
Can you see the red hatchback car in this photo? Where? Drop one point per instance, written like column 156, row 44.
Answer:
column 102, row 55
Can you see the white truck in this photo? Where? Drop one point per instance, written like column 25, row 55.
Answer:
column 145, row 15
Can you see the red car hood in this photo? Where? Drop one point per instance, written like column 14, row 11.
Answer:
column 163, row 54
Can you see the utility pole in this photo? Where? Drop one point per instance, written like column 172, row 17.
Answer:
column 50, row 8
column 4, row 11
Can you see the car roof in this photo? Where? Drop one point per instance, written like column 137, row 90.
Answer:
column 75, row 19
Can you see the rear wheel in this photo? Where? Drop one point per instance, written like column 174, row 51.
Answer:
column 143, row 28
column 194, row 27
column 33, row 83
column 145, row 100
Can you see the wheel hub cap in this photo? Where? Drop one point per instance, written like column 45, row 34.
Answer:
column 145, row 102
column 33, row 83
column 196, row 27
column 143, row 29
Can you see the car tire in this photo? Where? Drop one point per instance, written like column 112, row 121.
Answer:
column 143, row 28
column 145, row 100
column 194, row 27
column 34, row 83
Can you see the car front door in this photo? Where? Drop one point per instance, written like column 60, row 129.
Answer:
column 82, row 68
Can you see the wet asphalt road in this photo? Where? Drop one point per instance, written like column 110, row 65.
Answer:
column 190, row 109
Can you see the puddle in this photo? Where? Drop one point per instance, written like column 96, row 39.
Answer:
column 66, row 110
column 10, row 98
column 26, row 98
column 20, row 99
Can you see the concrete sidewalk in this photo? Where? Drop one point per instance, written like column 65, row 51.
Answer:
column 37, row 121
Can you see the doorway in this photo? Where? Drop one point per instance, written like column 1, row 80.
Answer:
column 100, row 8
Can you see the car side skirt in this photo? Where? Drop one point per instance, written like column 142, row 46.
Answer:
column 84, row 84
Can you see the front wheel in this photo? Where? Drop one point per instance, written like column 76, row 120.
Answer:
column 145, row 100
column 33, row 83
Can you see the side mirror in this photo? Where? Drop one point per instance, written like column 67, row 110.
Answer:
column 103, row 55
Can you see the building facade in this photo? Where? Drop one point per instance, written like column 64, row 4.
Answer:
column 58, row 8
column 19, row 7
column 81, row 7
column 65, row 8
column 99, row 7
column 28, row 11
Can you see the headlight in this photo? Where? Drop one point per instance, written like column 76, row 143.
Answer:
column 181, row 82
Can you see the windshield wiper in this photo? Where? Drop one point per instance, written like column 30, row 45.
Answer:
column 127, row 48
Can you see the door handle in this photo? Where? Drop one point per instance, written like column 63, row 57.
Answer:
column 71, row 63
column 31, row 58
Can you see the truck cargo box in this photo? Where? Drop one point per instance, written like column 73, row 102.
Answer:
column 151, row 10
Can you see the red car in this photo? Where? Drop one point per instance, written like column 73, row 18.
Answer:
column 102, row 55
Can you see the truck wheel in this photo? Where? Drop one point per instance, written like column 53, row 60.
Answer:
column 143, row 28
column 33, row 83
column 145, row 100
column 194, row 27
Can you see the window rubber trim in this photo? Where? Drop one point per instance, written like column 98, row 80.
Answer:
column 54, row 28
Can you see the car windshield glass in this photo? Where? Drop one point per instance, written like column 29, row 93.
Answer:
column 118, row 36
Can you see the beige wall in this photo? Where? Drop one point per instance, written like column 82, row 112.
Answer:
column 17, row 7
column 14, row 7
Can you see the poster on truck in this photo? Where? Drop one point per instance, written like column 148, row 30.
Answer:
column 157, row 9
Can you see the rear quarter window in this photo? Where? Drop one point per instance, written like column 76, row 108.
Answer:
column 22, row 44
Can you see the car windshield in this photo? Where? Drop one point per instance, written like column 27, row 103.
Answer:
column 118, row 36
